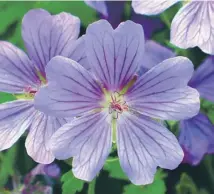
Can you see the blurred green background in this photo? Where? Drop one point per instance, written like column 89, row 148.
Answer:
column 15, row 163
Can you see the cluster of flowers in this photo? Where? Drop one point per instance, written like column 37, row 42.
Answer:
column 77, row 96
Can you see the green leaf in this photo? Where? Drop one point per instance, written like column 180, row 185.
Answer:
column 7, row 161
column 114, row 168
column 157, row 187
column 5, row 97
column 71, row 184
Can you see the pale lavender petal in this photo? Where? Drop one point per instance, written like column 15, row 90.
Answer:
column 153, row 7
column 71, row 89
column 203, row 79
column 196, row 135
column 153, row 55
column 77, row 52
column 41, row 130
column 88, row 139
column 98, row 5
column 163, row 93
column 15, row 119
column 48, row 36
column 192, row 26
column 17, row 71
column 114, row 55
column 143, row 145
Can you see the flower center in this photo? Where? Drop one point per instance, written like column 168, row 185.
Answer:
column 117, row 104
column 29, row 91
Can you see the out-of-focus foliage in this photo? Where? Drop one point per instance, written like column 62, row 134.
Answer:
column 13, row 12
column 7, row 161
column 187, row 186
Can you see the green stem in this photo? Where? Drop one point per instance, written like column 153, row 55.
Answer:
column 114, row 129
column 112, row 160
column 166, row 20
column 91, row 187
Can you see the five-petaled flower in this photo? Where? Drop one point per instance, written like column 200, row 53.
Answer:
column 191, row 26
column 111, row 104
column 45, row 36
column 196, row 134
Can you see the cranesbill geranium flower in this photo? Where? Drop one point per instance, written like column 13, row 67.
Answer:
column 45, row 36
column 191, row 26
column 196, row 134
column 112, row 104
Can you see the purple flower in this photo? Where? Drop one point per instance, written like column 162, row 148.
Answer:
column 51, row 170
column 190, row 27
column 45, row 36
column 196, row 138
column 111, row 104
column 197, row 133
column 113, row 10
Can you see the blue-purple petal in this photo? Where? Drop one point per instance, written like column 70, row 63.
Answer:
column 143, row 145
column 153, row 55
column 88, row 139
column 71, row 89
column 114, row 55
column 203, row 79
column 162, row 92
column 148, row 7
column 40, row 132
column 196, row 137
column 48, row 36
column 17, row 71
column 192, row 26
column 15, row 118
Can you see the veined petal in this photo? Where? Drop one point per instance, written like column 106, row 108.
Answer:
column 153, row 55
column 98, row 5
column 41, row 130
column 144, row 144
column 192, row 26
column 17, row 71
column 47, row 36
column 15, row 118
column 71, row 89
column 88, row 139
column 76, row 51
column 163, row 93
column 203, row 79
column 114, row 55
column 196, row 135
column 153, row 7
